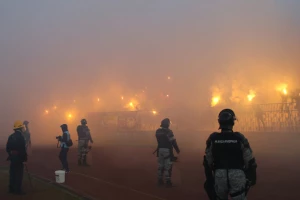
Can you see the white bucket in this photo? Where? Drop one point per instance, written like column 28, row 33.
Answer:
column 60, row 176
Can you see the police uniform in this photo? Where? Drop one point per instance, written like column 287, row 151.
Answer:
column 230, row 167
column 166, row 142
column 17, row 155
column 84, row 136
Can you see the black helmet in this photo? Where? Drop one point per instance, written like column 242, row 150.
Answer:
column 64, row 127
column 226, row 119
column 83, row 122
column 165, row 123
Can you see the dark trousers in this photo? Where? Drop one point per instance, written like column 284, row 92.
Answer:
column 16, row 176
column 63, row 156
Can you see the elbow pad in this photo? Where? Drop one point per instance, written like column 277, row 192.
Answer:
column 250, row 172
column 207, row 169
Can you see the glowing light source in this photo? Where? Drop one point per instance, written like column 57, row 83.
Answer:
column 70, row 116
column 167, row 95
column 46, row 111
column 282, row 88
column 169, row 77
column 54, row 107
column 154, row 112
column 122, row 97
column 214, row 101
column 131, row 104
column 98, row 99
column 284, row 91
column 251, row 95
column 216, row 96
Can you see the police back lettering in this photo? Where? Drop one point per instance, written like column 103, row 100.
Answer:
column 226, row 141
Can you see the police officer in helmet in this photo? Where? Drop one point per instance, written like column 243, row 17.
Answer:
column 166, row 142
column 16, row 149
column 84, row 137
column 230, row 167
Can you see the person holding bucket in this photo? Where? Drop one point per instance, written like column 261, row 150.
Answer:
column 65, row 144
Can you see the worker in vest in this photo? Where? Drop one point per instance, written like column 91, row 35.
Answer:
column 84, row 137
column 17, row 155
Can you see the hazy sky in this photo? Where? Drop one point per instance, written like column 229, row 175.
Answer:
column 60, row 49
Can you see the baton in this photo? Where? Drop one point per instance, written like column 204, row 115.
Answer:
column 154, row 151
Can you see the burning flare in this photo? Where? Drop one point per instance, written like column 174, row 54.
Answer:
column 282, row 88
column 215, row 100
column 251, row 95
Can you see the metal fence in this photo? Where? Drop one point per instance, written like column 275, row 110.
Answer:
column 275, row 117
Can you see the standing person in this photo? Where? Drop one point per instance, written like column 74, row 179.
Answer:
column 27, row 135
column 230, row 167
column 84, row 137
column 65, row 143
column 259, row 114
column 17, row 155
column 166, row 142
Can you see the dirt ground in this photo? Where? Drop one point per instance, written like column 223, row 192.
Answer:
column 128, row 171
column 38, row 190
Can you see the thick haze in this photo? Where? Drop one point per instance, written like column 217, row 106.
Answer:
column 53, row 52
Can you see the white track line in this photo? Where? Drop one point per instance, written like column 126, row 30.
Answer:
column 119, row 186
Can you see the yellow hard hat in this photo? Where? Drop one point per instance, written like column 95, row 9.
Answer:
column 18, row 124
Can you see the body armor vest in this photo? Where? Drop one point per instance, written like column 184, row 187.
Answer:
column 227, row 150
column 82, row 132
column 163, row 139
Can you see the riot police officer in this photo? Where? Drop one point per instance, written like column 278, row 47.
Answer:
column 166, row 142
column 17, row 155
column 84, row 137
column 230, row 167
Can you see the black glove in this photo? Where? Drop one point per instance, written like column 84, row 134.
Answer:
column 251, row 176
column 251, row 172
column 209, row 187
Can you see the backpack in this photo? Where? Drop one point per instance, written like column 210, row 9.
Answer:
column 69, row 143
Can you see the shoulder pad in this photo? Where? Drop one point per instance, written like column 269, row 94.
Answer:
column 240, row 135
column 243, row 139
column 210, row 138
column 214, row 134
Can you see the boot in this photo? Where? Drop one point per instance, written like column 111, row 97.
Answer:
column 20, row 193
column 160, row 182
column 84, row 163
column 169, row 184
column 11, row 190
